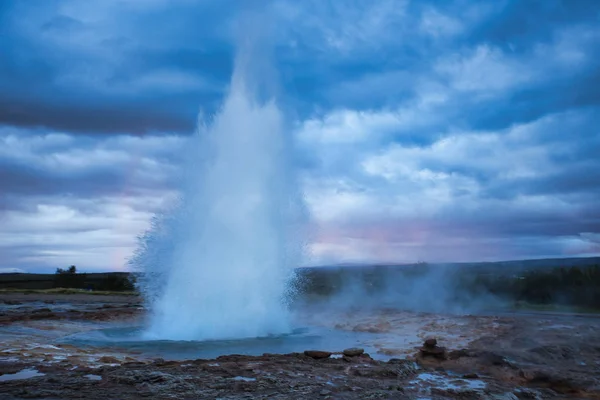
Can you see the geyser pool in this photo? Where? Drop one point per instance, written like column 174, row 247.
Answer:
column 132, row 338
column 218, row 265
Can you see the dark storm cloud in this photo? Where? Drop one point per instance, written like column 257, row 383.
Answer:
column 531, row 36
column 119, row 75
column 523, row 24
column 66, row 167
column 82, row 74
column 19, row 179
column 530, row 103
column 106, row 117
column 458, row 128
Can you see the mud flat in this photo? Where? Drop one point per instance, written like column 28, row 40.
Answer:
column 507, row 356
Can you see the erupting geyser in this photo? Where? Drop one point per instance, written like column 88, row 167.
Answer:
column 218, row 265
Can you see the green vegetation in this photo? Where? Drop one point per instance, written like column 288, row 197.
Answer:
column 563, row 288
column 539, row 285
column 70, row 279
column 69, row 291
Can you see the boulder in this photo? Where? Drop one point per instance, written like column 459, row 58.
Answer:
column 353, row 352
column 436, row 352
column 431, row 349
column 317, row 354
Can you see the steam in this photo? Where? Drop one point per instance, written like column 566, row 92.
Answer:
column 420, row 288
column 219, row 264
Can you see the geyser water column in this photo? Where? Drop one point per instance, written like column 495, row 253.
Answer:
column 217, row 266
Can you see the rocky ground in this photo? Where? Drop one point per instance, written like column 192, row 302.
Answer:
column 534, row 356
column 19, row 307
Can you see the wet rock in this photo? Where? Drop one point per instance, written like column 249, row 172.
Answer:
column 471, row 376
column 402, row 368
column 456, row 393
column 149, row 379
column 396, row 387
column 434, row 352
column 109, row 360
column 12, row 302
column 554, row 381
column 317, row 354
column 353, row 352
column 431, row 349
column 362, row 358
column 324, row 392
column 527, row 394
column 456, row 354
column 131, row 364
column 398, row 361
column 502, row 396
column 555, row 352
column 494, row 359
column 374, row 372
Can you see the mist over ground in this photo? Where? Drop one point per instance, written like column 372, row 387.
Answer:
column 453, row 288
column 567, row 284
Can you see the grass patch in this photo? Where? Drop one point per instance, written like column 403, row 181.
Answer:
column 69, row 291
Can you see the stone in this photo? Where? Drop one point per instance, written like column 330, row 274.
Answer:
column 456, row 354
column 430, row 342
column 317, row 354
column 353, row 352
column 109, row 360
column 435, row 352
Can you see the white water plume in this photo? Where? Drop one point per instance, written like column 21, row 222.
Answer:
column 218, row 265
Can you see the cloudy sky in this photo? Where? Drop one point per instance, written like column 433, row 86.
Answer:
column 427, row 130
